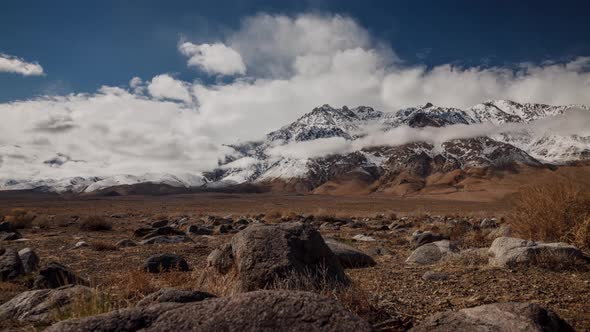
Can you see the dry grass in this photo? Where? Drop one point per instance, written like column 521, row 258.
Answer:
column 103, row 246
column 467, row 258
column 95, row 303
column 95, row 224
column 551, row 212
column 581, row 234
column 558, row 261
column 20, row 218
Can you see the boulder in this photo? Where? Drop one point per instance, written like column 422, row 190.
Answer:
column 55, row 275
column 165, row 263
column 510, row 316
column 11, row 266
column 420, row 238
column 167, row 239
column 262, row 254
column 125, row 243
column 41, row 306
column 29, row 259
column 175, row 296
column 511, row 252
column 349, row 257
column 432, row 252
column 253, row 311
column 199, row 230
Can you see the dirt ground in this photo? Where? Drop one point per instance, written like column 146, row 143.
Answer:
column 394, row 288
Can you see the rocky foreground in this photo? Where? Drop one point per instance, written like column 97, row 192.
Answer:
column 296, row 272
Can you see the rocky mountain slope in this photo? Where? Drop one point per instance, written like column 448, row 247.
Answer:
column 364, row 150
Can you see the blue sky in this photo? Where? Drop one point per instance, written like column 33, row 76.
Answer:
column 84, row 45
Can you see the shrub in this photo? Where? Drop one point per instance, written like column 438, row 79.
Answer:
column 20, row 218
column 551, row 212
column 95, row 223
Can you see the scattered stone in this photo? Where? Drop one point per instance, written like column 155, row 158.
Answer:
column 432, row 252
column 29, row 259
column 199, row 230
column 81, row 244
column 222, row 229
column 511, row 252
column 159, row 223
column 242, row 221
column 363, row 238
column 166, row 230
column 510, row 316
column 349, row 257
column 143, row 231
column 125, row 243
column 167, row 239
column 175, row 296
column 252, row 311
column 329, row 226
column 42, row 306
column 11, row 266
column 221, row 259
column 55, row 275
column 165, row 263
column 488, row 223
column 263, row 253
column 6, row 226
column 420, row 238
column 10, row 236
column 435, row 276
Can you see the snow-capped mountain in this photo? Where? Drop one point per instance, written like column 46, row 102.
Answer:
column 382, row 150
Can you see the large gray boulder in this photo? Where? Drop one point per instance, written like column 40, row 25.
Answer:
column 262, row 254
column 29, row 259
column 41, row 306
column 511, row 252
column 174, row 295
column 349, row 256
column 253, row 311
column 11, row 267
column 431, row 253
column 511, row 316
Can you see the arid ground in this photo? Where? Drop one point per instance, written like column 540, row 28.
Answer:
column 392, row 295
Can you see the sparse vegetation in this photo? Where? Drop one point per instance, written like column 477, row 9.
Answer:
column 95, row 224
column 103, row 246
column 20, row 218
column 552, row 212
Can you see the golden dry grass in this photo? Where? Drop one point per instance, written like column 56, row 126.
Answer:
column 20, row 218
column 551, row 212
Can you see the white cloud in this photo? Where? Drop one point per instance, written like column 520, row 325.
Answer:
column 11, row 64
column 214, row 58
column 165, row 86
column 293, row 64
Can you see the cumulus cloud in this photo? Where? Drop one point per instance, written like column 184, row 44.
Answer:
column 285, row 66
column 214, row 58
column 12, row 64
column 165, row 86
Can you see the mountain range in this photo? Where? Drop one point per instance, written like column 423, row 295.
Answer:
column 362, row 150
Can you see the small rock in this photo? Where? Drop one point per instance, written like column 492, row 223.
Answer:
column 420, row 238
column 10, row 236
column 11, row 266
column 363, row 238
column 167, row 239
column 432, row 252
column 7, row 227
column 29, row 259
column 81, row 244
column 175, row 296
column 125, row 243
column 165, row 263
column 488, row 223
column 166, row 230
column 435, row 276
column 159, row 223
column 222, row 229
column 349, row 257
column 55, row 275
column 143, row 231
column 199, row 230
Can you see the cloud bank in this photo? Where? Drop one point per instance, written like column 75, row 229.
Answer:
column 278, row 68
column 12, row 64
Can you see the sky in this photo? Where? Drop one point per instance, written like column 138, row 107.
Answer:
column 127, row 85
